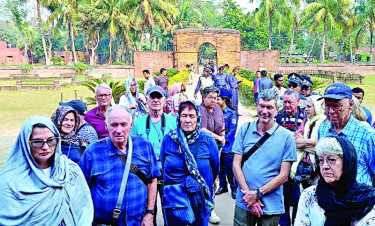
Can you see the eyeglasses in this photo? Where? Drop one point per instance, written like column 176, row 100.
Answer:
column 331, row 161
column 188, row 116
column 38, row 143
column 103, row 95
column 294, row 85
column 133, row 84
column 335, row 107
column 305, row 87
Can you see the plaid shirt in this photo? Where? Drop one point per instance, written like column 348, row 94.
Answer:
column 103, row 171
column 363, row 139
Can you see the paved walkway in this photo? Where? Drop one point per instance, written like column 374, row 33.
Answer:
column 224, row 204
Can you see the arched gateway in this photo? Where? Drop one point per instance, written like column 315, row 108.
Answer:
column 187, row 42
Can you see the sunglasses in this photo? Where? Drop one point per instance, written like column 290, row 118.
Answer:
column 38, row 143
column 292, row 85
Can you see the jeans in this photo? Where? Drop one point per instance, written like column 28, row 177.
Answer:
column 246, row 218
column 226, row 171
column 292, row 193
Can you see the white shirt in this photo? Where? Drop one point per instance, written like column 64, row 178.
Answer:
column 310, row 213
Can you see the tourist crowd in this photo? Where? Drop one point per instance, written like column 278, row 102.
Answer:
column 107, row 166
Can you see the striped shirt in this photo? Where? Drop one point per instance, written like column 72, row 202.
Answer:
column 363, row 139
column 88, row 132
column 290, row 122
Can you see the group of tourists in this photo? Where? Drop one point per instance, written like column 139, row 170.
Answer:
column 107, row 166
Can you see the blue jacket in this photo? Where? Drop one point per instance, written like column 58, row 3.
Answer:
column 231, row 121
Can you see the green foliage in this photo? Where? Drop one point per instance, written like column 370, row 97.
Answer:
column 59, row 64
column 118, row 63
column 315, row 61
column 247, row 74
column 364, row 56
column 26, row 68
column 182, row 76
column 80, row 67
column 117, row 88
column 56, row 59
column 37, row 64
column 170, row 72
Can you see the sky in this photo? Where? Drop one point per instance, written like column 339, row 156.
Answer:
column 247, row 6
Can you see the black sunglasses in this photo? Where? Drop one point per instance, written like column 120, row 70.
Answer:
column 294, row 85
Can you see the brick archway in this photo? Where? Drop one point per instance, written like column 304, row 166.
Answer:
column 187, row 42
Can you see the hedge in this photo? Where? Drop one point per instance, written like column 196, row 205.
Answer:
column 170, row 72
column 182, row 76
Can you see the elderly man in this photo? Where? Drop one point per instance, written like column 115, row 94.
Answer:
column 338, row 104
column 359, row 94
column 264, row 152
column 154, row 126
column 85, row 130
column 233, row 85
column 221, row 79
column 96, row 116
column 104, row 164
column 290, row 117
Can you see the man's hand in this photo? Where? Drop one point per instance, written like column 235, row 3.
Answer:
column 133, row 105
column 221, row 139
column 195, row 96
column 240, row 80
column 250, row 197
column 148, row 220
column 256, row 209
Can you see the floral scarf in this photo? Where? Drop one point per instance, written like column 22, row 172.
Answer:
column 57, row 119
column 183, row 141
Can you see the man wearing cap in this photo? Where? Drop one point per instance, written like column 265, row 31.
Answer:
column 338, row 104
column 295, row 83
column 96, row 116
column 278, row 87
column 306, row 88
column 226, row 156
column 233, row 86
column 221, row 79
column 264, row 82
column 359, row 94
column 204, row 81
column 156, row 125
column 85, row 130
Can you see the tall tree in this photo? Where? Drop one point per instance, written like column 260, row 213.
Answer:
column 275, row 12
column 47, row 57
column 328, row 14
column 365, row 13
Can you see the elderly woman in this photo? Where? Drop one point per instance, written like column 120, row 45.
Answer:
column 190, row 160
column 133, row 99
column 337, row 199
column 67, row 121
column 39, row 185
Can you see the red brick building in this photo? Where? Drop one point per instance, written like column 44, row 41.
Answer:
column 10, row 55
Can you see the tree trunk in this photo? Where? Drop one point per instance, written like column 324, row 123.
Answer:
column 110, row 48
column 72, row 43
column 119, row 50
column 371, row 42
column 141, row 41
column 324, row 39
column 351, row 48
column 47, row 59
column 25, row 57
column 291, row 45
column 341, row 47
column 270, row 31
column 312, row 47
column 49, row 50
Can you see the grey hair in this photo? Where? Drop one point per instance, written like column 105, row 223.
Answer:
column 210, row 89
column 114, row 107
column 329, row 146
column 269, row 94
column 103, row 85
column 291, row 92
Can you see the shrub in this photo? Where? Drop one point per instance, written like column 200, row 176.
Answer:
column 37, row 64
column 118, row 63
column 26, row 68
column 170, row 72
column 80, row 67
column 364, row 56
column 56, row 59
column 327, row 61
column 59, row 64
column 117, row 88
column 183, row 77
column 315, row 61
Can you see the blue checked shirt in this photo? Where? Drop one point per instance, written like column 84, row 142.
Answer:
column 103, row 171
column 88, row 132
column 363, row 139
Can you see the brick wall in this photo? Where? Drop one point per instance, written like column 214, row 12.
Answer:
column 260, row 59
column 152, row 61
column 188, row 41
column 117, row 71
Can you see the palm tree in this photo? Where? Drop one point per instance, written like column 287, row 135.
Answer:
column 46, row 55
column 365, row 12
column 189, row 15
column 327, row 13
column 274, row 11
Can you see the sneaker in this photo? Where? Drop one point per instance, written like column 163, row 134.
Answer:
column 214, row 219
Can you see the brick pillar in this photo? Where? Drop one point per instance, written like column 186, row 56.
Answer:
column 19, row 84
column 56, row 84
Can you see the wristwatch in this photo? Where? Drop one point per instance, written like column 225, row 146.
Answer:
column 259, row 194
column 150, row 212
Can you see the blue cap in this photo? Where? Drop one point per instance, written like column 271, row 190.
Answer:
column 206, row 69
column 294, row 77
column 306, row 81
column 157, row 89
column 221, row 68
column 77, row 105
column 337, row 91
column 225, row 93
